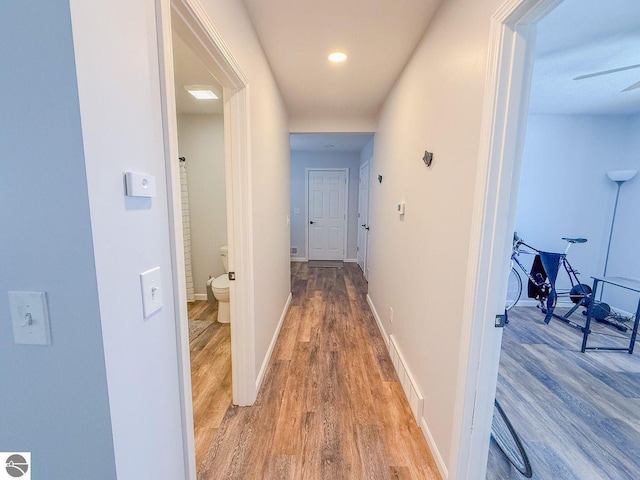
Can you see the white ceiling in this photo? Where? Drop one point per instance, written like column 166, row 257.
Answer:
column 189, row 70
column 581, row 37
column 379, row 36
column 329, row 142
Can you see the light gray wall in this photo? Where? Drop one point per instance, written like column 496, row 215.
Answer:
column 367, row 152
column 53, row 399
column 564, row 192
column 201, row 141
column 299, row 162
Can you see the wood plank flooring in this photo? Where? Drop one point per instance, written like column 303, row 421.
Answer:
column 331, row 406
column 578, row 414
column 210, row 375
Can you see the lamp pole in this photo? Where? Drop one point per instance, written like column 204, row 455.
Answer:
column 619, row 177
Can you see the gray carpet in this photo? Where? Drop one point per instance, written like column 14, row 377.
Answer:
column 325, row 264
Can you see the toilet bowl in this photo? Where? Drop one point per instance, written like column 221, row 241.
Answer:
column 220, row 288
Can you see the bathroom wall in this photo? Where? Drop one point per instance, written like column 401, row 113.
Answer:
column 201, row 142
column 299, row 162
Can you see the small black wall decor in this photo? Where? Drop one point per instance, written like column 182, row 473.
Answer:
column 428, row 158
column 380, row 178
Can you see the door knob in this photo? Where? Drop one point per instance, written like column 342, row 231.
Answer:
column 363, row 225
column 312, row 222
column 366, row 228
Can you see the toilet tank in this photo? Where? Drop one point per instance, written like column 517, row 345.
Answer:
column 224, row 255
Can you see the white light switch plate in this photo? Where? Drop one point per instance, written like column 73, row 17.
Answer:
column 151, row 291
column 30, row 318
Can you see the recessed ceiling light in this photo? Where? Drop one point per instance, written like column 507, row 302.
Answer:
column 337, row 57
column 201, row 92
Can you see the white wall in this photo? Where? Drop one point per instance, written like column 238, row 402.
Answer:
column 302, row 160
column 116, row 54
column 53, row 399
column 201, row 142
column 436, row 105
column 270, row 170
column 564, row 192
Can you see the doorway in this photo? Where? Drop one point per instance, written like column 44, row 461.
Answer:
column 327, row 204
column 189, row 21
column 513, row 36
column 363, row 219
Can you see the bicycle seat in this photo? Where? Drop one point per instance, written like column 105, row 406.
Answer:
column 575, row 240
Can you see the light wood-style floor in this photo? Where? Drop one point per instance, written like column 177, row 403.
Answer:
column 578, row 414
column 210, row 374
column 331, row 406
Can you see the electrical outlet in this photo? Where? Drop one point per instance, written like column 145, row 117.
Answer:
column 390, row 315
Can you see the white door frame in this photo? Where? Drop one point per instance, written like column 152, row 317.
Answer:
column 365, row 264
column 506, row 96
column 346, row 205
column 200, row 34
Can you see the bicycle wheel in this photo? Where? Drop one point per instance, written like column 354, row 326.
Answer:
column 508, row 441
column 514, row 289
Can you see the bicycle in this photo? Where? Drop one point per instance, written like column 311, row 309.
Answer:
column 507, row 439
column 542, row 280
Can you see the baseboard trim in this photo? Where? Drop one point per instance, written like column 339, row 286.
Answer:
column 299, row 259
column 267, row 358
column 200, row 296
column 351, row 260
column 411, row 390
column 442, row 467
column 532, row 302
column 383, row 332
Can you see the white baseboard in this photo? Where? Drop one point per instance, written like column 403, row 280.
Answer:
column 411, row 390
column 267, row 358
column 299, row 259
column 532, row 302
column 442, row 467
column 351, row 260
column 200, row 296
column 383, row 332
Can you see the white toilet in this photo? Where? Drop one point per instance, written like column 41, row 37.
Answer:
column 220, row 288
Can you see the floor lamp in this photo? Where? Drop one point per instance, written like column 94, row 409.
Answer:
column 619, row 177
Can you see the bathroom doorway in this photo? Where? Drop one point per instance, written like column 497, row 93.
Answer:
column 200, row 128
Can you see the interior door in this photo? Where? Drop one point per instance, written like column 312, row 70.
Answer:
column 363, row 217
column 327, row 191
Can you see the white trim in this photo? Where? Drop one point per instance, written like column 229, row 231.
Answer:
column 383, row 332
column 403, row 371
column 267, row 358
column 346, row 205
column 299, row 259
column 190, row 19
column 201, row 296
column 350, row 260
column 509, row 68
column 437, row 456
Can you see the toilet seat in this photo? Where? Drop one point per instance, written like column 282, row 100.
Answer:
column 221, row 282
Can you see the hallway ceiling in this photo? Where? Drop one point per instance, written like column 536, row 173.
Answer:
column 378, row 36
column 581, row 37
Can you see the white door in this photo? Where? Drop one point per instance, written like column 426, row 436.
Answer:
column 327, row 191
column 363, row 217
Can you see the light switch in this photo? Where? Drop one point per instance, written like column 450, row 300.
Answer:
column 30, row 318
column 151, row 291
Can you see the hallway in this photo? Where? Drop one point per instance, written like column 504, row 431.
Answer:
column 331, row 406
